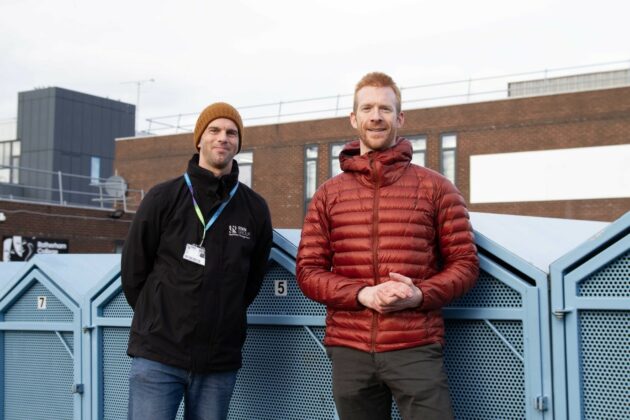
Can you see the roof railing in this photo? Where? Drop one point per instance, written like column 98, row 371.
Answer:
column 429, row 94
column 65, row 189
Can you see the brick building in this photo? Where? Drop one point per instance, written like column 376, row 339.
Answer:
column 465, row 142
column 487, row 148
column 84, row 230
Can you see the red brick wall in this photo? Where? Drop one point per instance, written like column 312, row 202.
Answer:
column 86, row 230
column 582, row 119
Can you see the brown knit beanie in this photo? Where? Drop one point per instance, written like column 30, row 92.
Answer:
column 211, row 113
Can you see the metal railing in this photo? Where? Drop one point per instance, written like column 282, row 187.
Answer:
column 65, row 189
column 424, row 95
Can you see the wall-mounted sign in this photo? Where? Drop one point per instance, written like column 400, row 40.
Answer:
column 21, row 248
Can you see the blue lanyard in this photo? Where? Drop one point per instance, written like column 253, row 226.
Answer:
column 198, row 210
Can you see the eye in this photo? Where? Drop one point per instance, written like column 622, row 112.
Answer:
column 213, row 130
column 232, row 133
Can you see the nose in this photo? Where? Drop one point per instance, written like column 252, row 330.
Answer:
column 375, row 114
column 222, row 137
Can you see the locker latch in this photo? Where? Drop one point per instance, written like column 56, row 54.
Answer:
column 560, row 313
column 77, row 389
column 540, row 403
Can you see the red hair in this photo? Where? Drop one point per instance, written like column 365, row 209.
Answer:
column 377, row 79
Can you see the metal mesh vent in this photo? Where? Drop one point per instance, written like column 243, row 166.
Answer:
column 38, row 376
column 117, row 307
column 285, row 375
column 25, row 307
column 115, row 374
column 295, row 303
column 612, row 280
column 486, row 379
column 489, row 293
column 116, row 365
column 605, row 364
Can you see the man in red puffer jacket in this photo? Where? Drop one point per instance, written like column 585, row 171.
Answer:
column 385, row 245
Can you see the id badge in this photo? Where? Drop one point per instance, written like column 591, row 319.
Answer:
column 196, row 254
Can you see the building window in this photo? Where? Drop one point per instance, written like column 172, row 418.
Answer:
column 9, row 161
column 245, row 163
column 95, row 170
column 448, row 163
column 335, row 167
column 310, row 173
column 419, row 144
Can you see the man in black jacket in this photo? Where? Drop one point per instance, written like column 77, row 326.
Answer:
column 193, row 261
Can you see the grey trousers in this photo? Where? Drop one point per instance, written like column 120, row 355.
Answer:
column 364, row 383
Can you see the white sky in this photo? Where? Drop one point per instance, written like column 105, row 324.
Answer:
column 249, row 52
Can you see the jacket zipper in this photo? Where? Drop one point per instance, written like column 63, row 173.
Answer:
column 375, row 249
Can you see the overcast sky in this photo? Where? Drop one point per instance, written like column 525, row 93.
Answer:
column 249, row 52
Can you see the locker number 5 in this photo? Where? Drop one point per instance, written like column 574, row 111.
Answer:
column 280, row 287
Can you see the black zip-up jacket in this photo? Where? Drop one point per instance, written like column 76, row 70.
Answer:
column 187, row 315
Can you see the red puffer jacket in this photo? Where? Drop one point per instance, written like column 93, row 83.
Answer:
column 384, row 215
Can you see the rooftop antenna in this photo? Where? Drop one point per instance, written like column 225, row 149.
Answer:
column 138, row 84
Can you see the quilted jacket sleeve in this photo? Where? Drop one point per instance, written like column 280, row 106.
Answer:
column 314, row 262
column 455, row 240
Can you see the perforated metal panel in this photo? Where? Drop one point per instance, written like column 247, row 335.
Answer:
column 486, row 379
column 605, row 364
column 117, row 307
column 115, row 374
column 604, row 342
column 38, row 376
column 591, row 290
column 489, row 292
column 285, row 375
column 25, row 307
column 294, row 303
column 613, row 280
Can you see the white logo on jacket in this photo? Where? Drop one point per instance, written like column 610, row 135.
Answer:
column 240, row 231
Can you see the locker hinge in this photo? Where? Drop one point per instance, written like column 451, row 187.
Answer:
column 87, row 328
column 560, row 313
column 540, row 403
column 77, row 389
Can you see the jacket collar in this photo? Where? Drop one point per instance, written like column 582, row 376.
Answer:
column 206, row 183
column 382, row 167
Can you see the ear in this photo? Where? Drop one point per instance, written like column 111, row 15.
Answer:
column 353, row 120
column 401, row 119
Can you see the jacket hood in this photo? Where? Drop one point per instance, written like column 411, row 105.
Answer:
column 383, row 166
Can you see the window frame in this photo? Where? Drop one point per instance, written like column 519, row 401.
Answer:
column 417, row 152
column 241, row 165
column 331, row 157
column 444, row 150
column 314, row 160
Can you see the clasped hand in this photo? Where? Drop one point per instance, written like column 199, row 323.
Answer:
column 396, row 294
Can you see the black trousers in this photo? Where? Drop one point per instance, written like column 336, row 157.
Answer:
column 364, row 383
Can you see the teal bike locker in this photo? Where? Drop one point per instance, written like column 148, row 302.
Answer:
column 497, row 354
column 255, row 395
column 109, row 322
column 64, row 326
column 286, row 373
column 591, row 327
column 41, row 352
